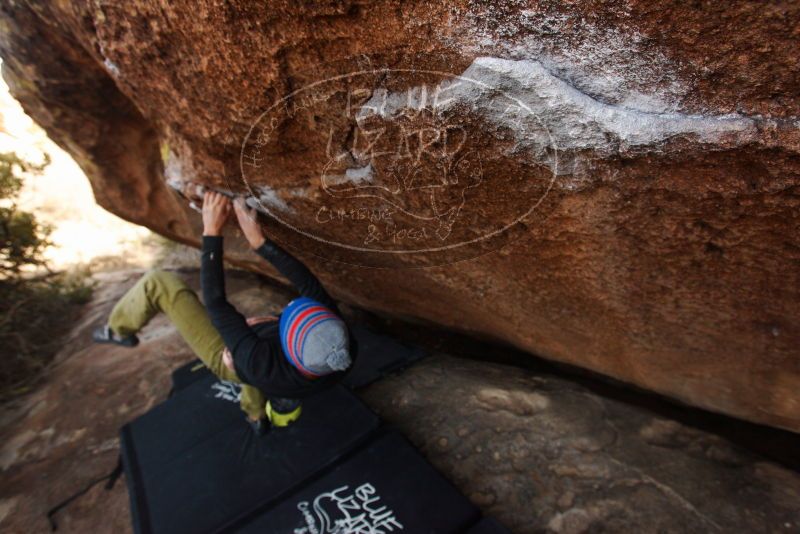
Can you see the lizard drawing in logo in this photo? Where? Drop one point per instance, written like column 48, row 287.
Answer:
column 347, row 512
column 411, row 159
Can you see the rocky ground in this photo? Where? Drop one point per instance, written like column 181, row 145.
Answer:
column 538, row 449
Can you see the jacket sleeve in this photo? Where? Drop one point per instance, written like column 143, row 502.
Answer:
column 252, row 356
column 298, row 274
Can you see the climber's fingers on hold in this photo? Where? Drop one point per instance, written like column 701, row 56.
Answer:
column 214, row 199
column 242, row 211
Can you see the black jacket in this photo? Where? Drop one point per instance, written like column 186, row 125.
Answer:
column 258, row 356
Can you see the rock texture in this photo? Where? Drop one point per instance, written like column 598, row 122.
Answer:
column 611, row 185
column 537, row 451
column 543, row 454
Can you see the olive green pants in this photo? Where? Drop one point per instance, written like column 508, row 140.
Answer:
column 160, row 291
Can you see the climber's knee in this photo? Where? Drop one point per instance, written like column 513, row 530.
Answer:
column 163, row 282
column 157, row 275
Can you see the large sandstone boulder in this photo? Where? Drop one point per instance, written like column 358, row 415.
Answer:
column 614, row 186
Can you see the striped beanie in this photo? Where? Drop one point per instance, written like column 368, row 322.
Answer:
column 314, row 339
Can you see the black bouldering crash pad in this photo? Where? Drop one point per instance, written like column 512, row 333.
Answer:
column 193, row 464
column 386, row 486
column 488, row 525
column 187, row 374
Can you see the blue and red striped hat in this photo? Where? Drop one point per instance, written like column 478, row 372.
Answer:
column 314, row 339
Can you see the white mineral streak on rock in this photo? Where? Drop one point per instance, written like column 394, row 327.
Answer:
column 576, row 121
column 269, row 198
column 544, row 112
column 355, row 176
column 173, row 172
column 613, row 62
column 112, row 67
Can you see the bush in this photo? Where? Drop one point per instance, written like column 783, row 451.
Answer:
column 37, row 305
column 22, row 238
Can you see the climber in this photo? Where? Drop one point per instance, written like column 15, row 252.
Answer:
column 307, row 349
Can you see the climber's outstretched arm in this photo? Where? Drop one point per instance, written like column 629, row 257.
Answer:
column 251, row 354
column 298, row 274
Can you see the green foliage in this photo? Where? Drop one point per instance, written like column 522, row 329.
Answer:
column 22, row 238
column 35, row 314
column 37, row 305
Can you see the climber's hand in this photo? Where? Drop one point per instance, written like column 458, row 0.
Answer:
column 249, row 223
column 216, row 209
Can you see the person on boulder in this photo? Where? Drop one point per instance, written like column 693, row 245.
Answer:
column 284, row 359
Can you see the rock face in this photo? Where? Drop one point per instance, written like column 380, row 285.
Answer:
column 543, row 454
column 614, row 186
column 540, row 453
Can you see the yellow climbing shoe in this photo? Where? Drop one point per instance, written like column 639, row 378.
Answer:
column 282, row 419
